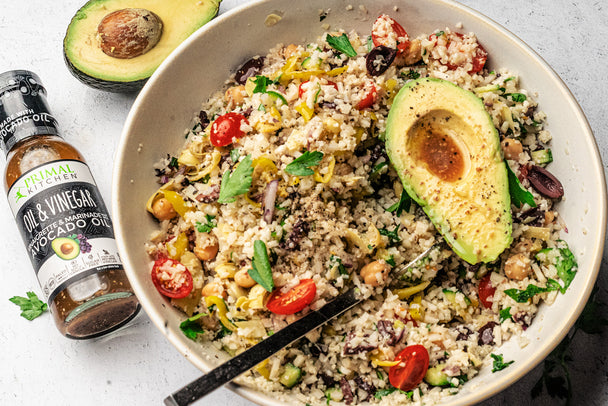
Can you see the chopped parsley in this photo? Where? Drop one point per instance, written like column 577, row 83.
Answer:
column 301, row 165
column 391, row 261
column 410, row 74
column 517, row 97
column 31, row 306
column 341, row 44
column 522, row 296
column 499, row 363
column 210, row 225
column 237, row 182
column 337, row 261
column 173, row 163
column 261, row 271
column 191, row 328
column 404, row 203
column 393, row 236
column 519, row 195
column 505, row 314
column 261, row 85
column 380, row 393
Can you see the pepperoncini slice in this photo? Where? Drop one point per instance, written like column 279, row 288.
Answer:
column 222, row 311
column 178, row 203
column 306, row 112
column 377, row 362
column 405, row 293
column 177, row 247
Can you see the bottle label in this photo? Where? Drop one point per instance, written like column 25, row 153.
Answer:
column 64, row 223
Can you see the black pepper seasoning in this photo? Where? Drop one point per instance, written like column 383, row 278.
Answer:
column 61, row 215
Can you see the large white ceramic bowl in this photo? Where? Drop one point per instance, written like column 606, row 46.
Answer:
column 200, row 66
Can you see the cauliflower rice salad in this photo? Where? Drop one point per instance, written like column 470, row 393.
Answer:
column 283, row 197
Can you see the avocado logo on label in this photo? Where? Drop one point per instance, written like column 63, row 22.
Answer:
column 70, row 247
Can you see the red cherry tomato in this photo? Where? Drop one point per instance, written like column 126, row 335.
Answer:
column 302, row 90
column 390, row 33
column 225, row 128
column 172, row 278
column 486, row 291
column 296, row 299
column 369, row 99
column 411, row 369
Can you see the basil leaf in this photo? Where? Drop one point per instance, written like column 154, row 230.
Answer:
column 31, row 306
column 237, row 182
column 505, row 314
column 499, row 363
column 261, row 272
column 519, row 195
column 342, row 44
column 301, row 165
column 190, row 326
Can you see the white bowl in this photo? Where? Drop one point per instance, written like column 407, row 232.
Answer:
column 200, row 66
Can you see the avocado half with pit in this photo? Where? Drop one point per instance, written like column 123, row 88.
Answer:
column 446, row 150
column 116, row 45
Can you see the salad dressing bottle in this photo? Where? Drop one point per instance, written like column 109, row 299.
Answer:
column 61, row 215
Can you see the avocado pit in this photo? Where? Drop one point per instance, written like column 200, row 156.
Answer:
column 129, row 33
column 66, row 248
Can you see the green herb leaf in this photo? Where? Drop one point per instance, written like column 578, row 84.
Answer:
column 342, row 44
column 391, row 261
column 499, row 363
column 380, row 393
column 210, row 225
column 522, row 296
column 173, row 163
column 236, row 183
column 410, row 74
column 392, row 235
column 566, row 267
column 517, row 97
column 370, row 43
column 338, row 261
column 519, row 195
column 261, row 82
column 377, row 168
column 505, row 314
column 404, row 203
column 191, row 328
column 439, row 33
column 301, row 165
column 235, row 154
column 261, row 272
column 31, row 306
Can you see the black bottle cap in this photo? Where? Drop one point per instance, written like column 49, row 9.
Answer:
column 24, row 111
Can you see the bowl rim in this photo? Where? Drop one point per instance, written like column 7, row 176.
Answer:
column 501, row 382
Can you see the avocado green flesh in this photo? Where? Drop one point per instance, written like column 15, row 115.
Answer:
column 65, row 248
column 466, row 198
column 87, row 62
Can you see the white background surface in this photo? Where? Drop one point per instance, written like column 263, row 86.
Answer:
column 138, row 366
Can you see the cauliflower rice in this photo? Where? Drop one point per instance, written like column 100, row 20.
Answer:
column 328, row 225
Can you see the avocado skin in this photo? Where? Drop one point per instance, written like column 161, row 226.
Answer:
column 57, row 243
column 473, row 213
column 97, row 79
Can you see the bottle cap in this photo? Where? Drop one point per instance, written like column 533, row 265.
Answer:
column 24, row 111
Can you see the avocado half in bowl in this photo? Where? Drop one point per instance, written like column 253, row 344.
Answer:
column 116, row 45
column 200, row 66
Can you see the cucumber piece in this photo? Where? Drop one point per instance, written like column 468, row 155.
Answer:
column 542, row 156
column 436, row 377
column 311, row 63
column 290, row 376
column 451, row 296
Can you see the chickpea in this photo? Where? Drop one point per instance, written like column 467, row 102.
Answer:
column 235, row 96
column 290, row 50
column 512, row 148
column 412, row 54
column 162, row 209
column 549, row 217
column 517, row 267
column 243, row 279
column 375, row 273
column 206, row 247
column 213, row 289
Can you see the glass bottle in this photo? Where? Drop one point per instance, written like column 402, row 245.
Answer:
column 61, row 215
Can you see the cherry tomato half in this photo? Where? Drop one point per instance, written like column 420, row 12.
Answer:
column 411, row 369
column 294, row 300
column 225, row 128
column 369, row 99
column 390, row 33
column 172, row 278
column 486, row 291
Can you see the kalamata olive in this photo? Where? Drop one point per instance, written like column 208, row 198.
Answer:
column 486, row 333
column 250, row 68
column 204, row 119
column 379, row 59
column 543, row 181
